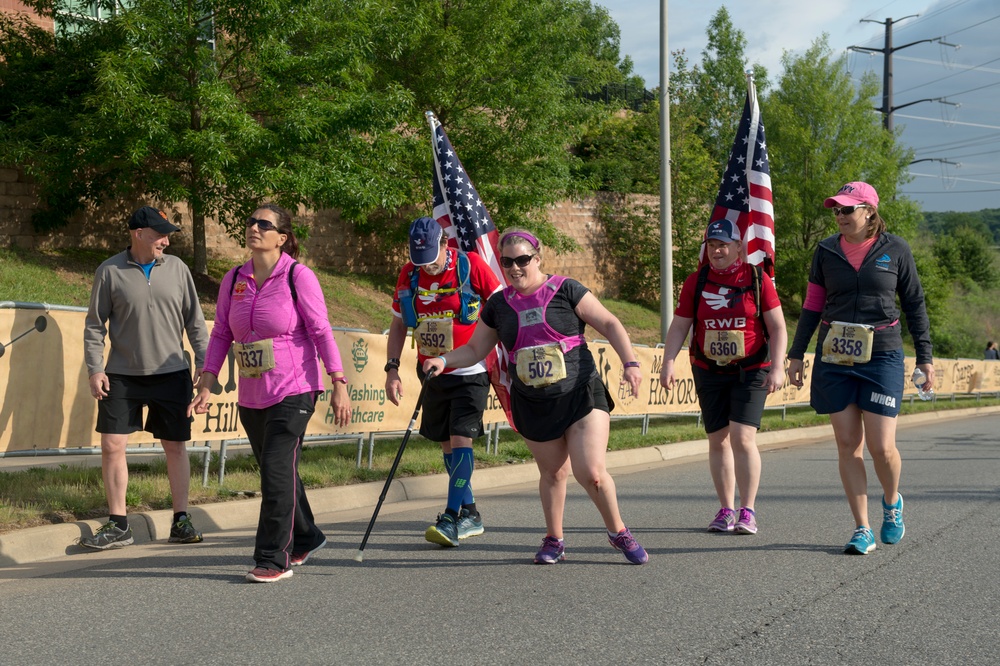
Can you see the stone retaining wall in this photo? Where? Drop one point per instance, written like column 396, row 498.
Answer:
column 332, row 242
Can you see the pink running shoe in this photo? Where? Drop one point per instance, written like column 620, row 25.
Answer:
column 626, row 543
column 724, row 521
column 553, row 550
column 747, row 522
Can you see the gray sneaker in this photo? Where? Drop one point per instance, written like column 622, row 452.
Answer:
column 469, row 525
column 109, row 536
column 184, row 532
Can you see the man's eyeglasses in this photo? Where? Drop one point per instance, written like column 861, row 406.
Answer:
column 521, row 261
column 846, row 210
column 263, row 225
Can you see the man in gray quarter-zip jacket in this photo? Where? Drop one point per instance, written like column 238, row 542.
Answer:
column 142, row 301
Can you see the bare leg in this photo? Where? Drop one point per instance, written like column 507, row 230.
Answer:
column 178, row 473
column 880, row 433
column 114, row 470
column 849, row 433
column 747, row 460
column 721, row 465
column 587, row 442
column 553, row 466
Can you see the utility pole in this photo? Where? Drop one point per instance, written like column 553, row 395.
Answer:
column 666, row 232
column 887, row 108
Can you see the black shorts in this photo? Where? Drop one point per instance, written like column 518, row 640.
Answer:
column 453, row 405
column 725, row 398
column 167, row 397
column 550, row 418
column 875, row 386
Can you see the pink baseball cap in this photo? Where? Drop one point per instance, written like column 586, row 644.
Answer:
column 853, row 194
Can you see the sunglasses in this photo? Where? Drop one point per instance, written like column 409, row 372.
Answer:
column 521, row 261
column 263, row 225
column 846, row 210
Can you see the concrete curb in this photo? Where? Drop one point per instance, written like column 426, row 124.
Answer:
column 50, row 541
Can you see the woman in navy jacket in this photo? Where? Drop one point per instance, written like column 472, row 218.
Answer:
column 857, row 377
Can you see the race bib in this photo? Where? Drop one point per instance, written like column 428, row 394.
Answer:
column 541, row 365
column 848, row 344
column 254, row 358
column 724, row 347
column 434, row 336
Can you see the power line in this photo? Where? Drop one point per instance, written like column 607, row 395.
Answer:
column 948, row 191
column 950, row 122
column 966, row 71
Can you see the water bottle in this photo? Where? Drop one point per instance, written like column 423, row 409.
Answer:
column 919, row 379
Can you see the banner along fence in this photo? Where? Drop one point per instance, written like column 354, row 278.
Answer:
column 47, row 408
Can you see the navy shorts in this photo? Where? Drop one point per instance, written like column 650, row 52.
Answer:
column 167, row 397
column 724, row 397
column 453, row 405
column 875, row 386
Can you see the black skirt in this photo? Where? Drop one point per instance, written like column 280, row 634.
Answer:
column 549, row 418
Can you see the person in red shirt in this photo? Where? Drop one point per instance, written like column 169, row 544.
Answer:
column 439, row 295
column 735, row 365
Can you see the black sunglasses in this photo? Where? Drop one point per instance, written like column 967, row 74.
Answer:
column 521, row 261
column 846, row 210
column 263, row 225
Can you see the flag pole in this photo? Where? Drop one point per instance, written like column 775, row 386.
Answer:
column 754, row 119
column 431, row 120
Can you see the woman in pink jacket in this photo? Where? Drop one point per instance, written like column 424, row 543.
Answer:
column 271, row 310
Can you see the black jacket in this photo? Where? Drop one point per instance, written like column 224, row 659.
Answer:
column 867, row 296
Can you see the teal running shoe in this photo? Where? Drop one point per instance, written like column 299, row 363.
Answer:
column 892, row 521
column 469, row 525
column 861, row 543
column 444, row 532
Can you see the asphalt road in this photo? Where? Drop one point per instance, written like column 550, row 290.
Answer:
column 787, row 595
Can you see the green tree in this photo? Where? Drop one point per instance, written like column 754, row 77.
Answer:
column 213, row 102
column 621, row 156
column 508, row 79
column 720, row 84
column 822, row 133
column 966, row 256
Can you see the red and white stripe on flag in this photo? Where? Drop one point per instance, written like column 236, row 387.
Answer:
column 460, row 211
column 745, row 191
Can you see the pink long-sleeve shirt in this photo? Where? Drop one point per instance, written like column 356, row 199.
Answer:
column 248, row 312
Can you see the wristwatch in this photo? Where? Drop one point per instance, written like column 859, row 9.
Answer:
column 393, row 364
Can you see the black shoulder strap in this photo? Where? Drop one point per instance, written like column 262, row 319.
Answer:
column 291, row 282
column 232, row 283
column 698, row 288
column 758, row 280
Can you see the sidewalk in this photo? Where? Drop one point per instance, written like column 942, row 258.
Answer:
column 43, row 543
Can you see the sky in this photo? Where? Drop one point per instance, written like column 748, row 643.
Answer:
column 964, row 129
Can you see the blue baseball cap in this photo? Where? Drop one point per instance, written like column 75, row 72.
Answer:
column 425, row 241
column 723, row 230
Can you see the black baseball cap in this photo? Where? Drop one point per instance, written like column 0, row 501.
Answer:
column 152, row 218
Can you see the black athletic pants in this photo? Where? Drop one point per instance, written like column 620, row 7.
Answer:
column 286, row 522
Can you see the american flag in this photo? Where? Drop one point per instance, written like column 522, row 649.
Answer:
column 457, row 205
column 745, row 192
column 459, row 209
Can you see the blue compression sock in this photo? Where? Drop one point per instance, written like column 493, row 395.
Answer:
column 459, row 485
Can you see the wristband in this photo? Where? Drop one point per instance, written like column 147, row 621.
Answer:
column 341, row 379
column 444, row 361
column 632, row 364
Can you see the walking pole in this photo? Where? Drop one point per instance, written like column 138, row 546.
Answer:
column 360, row 557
